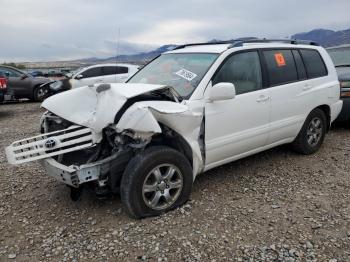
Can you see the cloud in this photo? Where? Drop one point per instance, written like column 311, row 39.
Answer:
column 65, row 29
column 173, row 31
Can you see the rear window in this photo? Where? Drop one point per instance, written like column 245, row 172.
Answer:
column 122, row 70
column 114, row 70
column 300, row 65
column 314, row 64
column 109, row 70
column 281, row 67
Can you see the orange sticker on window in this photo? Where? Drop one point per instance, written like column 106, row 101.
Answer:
column 280, row 59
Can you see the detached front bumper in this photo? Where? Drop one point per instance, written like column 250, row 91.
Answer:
column 76, row 175
column 71, row 175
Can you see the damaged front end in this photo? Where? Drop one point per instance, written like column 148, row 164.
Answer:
column 92, row 143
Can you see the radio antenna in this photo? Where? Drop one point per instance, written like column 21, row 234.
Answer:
column 117, row 52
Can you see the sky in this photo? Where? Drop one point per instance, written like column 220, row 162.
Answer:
column 50, row 30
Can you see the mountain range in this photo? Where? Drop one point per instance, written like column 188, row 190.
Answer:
column 324, row 37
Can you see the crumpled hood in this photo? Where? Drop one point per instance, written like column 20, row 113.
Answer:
column 87, row 107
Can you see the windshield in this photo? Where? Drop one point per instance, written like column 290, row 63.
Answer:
column 183, row 72
column 340, row 56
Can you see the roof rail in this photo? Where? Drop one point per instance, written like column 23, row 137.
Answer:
column 207, row 43
column 240, row 42
column 264, row 40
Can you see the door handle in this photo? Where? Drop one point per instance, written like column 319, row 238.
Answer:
column 262, row 98
column 307, row 87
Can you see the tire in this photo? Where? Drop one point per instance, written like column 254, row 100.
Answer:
column 140, row 186
column 311, row 136
column 39, row 94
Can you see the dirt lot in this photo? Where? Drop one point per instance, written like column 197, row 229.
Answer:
column 272, row 206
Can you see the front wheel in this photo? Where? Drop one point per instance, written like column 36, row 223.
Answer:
column 311, row 135
column 40, row 93
column 155, row 181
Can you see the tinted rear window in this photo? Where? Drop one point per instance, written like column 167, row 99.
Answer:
column 314, row 64
column 122, row 70
column 281, row 67
column 109, row 70
column 300, row 65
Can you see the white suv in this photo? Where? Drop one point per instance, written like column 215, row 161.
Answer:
column 189, row 110
column 102, row 73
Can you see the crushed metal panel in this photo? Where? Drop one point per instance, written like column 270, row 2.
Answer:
column 189, row 129
column 139, row 120
column 174, row 115
column 86, row 107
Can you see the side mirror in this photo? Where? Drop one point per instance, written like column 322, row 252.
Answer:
column 222, row 91
column 23, row 77
column 79, row 77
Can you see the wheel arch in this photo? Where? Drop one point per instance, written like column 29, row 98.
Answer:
column 34, row 88
column 327, row 111
column 172, row 139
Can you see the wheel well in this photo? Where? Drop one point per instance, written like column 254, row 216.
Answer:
column 35, row 88
column 173, row 140
column 326, row 109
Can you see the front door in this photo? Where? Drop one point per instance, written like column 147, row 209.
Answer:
column 236, row 127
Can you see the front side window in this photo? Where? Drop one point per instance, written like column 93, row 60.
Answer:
column 92, row 72
column 280, row 66
column 182, row 71
column 243, row 70
column 314, row 64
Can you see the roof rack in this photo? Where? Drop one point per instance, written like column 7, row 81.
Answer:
column 207, row 43
column 240, row 42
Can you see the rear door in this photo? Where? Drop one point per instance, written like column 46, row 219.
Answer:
column 240, row 125
column 288, row 90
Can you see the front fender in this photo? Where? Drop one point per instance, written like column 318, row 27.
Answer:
column 146, row 116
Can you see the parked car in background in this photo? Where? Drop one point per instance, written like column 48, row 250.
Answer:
column 341, row 59
column 190, row 110
column 3, row 87
column 102, row 73
column 37, row 74
column 23, row 85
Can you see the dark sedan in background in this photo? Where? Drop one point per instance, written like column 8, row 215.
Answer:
column 341, row 59
column 23, row 85
column 3, row 86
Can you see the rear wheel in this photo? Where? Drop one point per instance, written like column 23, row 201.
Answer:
column 311, row 136
column 155, row 181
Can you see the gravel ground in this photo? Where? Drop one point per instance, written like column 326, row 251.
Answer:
column 276, row 205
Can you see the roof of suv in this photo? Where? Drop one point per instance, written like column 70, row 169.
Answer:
column 220, row 47
column 112, row 64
